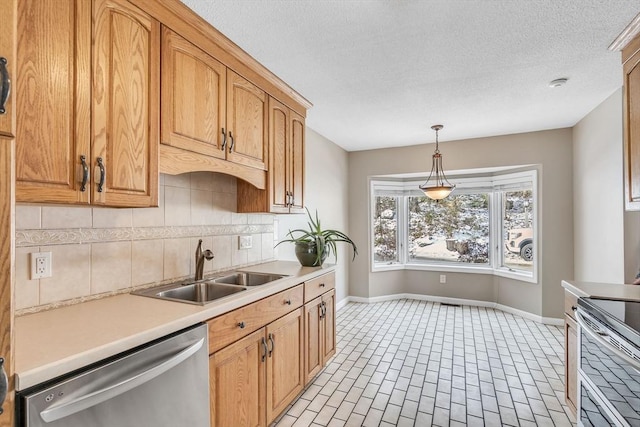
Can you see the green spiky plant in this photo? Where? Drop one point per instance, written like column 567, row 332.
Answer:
column 324, row 240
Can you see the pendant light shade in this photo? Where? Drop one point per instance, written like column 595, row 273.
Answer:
column 437, row 186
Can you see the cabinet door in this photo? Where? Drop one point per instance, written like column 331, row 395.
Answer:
column 247, row 121
column 52, row 100
column 193, row 97
column 279, row 156
column 329, row 329
column 237, row 383
column 631, row 70
column 571, row 363
column 125, row 116
column 285, row 363
column 314, row 338
column 296, row 164
column 8, row 51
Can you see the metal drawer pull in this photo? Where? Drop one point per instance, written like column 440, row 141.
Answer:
column 273, row 344
column 322, row 285
column 288, row 302
column 102, row 175
column 5, row 85
column 85, row 173
column 241, row 325
column 4, row 384
column 264, row 347
column 120, row 386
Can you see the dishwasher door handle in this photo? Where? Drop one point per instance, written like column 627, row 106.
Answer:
column 598, row 336
column 64, row 409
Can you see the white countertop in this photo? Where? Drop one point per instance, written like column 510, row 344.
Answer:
column 54, row 342
column 602, row 290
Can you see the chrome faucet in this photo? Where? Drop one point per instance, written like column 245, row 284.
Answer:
column 200, row 257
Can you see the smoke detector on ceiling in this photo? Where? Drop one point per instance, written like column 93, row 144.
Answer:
column 558, row 82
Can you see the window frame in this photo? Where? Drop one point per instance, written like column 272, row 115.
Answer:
column 472, row 182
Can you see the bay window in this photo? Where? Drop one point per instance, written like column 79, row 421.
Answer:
column 487, row 225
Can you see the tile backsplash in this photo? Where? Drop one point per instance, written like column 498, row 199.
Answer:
column 103, row 251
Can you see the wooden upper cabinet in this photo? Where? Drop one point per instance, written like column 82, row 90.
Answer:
column 296, row 165
column 52, row 100
column 247, row 121
column 194, row 89
column 279, row 156
column 125, row 113
column 87, row 132
column 285, row 186
column 286, row 159
column 7, row 52
column 631, row 68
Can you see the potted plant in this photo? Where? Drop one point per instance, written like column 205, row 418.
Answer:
column 314, row 245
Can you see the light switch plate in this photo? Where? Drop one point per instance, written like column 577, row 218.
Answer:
column 40, row 265
column 245, row 242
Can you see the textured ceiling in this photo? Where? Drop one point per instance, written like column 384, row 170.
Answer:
column 381, row 72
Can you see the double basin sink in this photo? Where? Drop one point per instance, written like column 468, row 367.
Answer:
column 208, row 290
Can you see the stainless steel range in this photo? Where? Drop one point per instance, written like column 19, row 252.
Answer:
column 609, row 362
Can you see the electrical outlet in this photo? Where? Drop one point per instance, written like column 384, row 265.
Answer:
column 443, row 278
column 40, row 265
column 245, row 242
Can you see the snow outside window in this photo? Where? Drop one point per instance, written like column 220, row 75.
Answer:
column 487, row 225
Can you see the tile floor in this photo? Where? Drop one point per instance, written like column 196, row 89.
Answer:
column 417, row 363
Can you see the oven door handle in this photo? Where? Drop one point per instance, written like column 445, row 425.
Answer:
column 598, row 337
column 65, row 409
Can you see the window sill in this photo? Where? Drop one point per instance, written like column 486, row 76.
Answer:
column 515, row 275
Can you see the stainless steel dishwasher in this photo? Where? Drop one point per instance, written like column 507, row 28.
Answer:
column 162, row 384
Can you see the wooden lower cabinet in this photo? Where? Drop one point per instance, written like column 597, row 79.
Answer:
column 320, row 333
column 571, row 362
column 285, row 362
column 237, row 383
column 254, row 379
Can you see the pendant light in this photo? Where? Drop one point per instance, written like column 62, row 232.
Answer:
column 439, row 187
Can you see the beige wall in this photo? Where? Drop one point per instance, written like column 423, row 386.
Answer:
column 598, row 199
column 326, row 190
column 550, row 149
column 98, row 251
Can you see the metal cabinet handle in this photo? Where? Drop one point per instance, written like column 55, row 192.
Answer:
column 4, row 384
column 102, row 175
column 322, row 285
column 85, row 173
column 273, row 344
column 241, row 325
column 224, row 140
column 264, row 347
column 287, row 301
column 5, row 85
column 233, row 142
column 322, row 311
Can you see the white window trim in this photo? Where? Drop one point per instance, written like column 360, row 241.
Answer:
column 492, row 183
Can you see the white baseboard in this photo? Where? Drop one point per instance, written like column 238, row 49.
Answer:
column 448, row 300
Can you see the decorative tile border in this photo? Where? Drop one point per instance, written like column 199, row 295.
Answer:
column 27, row 238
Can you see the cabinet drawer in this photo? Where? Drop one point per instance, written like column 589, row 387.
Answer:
column 230, row 327
column 319, row 285
column 570, row 301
